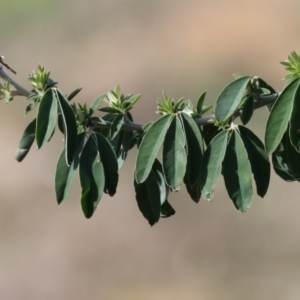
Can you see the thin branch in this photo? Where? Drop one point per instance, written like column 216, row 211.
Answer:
column 261, row 101
column 22, row 91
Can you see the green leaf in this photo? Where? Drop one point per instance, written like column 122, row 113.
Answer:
column 280, row 115
column 91, row 176
column 194, row 145
column 248, row 109
column 200, row 103
column 130, row 102
column 110, row 164
column 259, row 160
column 69, row 125
column 65, row 174
column 174, row 154
column 237, row 173
column 166, row 210
column 149, row 147
column 46, row 118
column 74, row 93
column 116, row 126
column 96, row 104
column 294, row 131
column 212, row 164
column 230, row 98
column 148, row 198
column 26, row 141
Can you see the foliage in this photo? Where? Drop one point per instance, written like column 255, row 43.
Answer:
column 196, row 150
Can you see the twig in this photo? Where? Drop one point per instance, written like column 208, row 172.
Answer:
column 23, row 91
column 6, row 65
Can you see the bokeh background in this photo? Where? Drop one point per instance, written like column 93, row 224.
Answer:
column 206, row 251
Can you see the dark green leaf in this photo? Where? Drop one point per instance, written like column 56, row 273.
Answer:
column 194, row 145
column 110, row 110
column 69, row 125
column 166, row 210
column 46, row 118
column 195, row 190
column 26, row 141
column 148, row 198
column 110, row 164
column 209, row 132
column 30, row 107
column 248, row 109
column 92, row 177
column 60, row 123
column 293, row 157
column 149, row 147
column 294, row 131
column 280, row 115
column 174, row 154
column 259, row 160
column 237, row 173
column 65, row 174
column 280, row 161
column 116, row 126
column 230, row 98
column 160, row 178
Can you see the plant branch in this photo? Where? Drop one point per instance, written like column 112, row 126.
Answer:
column 21, row 90
column 261, row 101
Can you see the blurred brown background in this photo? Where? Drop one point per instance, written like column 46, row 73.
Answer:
column 206, row 251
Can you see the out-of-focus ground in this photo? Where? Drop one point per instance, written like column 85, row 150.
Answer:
column 207, row 251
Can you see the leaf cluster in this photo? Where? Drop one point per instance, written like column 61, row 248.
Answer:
column 175, row 150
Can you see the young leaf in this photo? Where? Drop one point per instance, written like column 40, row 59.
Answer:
column 230, row 98
column 237, row 173
column 200, row 103
column 174, row 154
column 46, row 118
column 212, row 164
column 194, row 145
column 247, row 110
column 259, row 160
column 96, row 104
column 149, row 147
column 74, row 93
column 92, row 177
column 110, row 164
column 148, row 198
column 69, row 125
column 65, row 174
column 26, row 141
column 280, row 115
